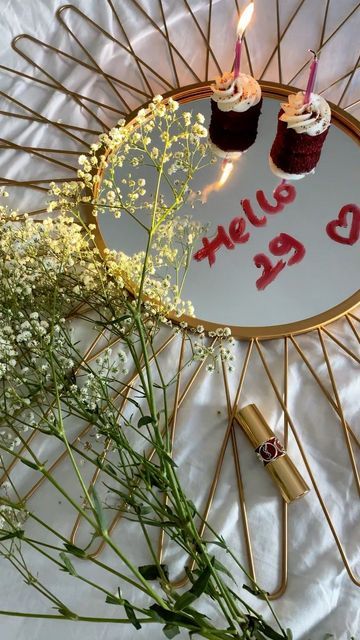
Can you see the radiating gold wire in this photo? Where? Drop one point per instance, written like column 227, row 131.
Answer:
column 163, row 35
column 354, row 316
column 206, row 40
column 281, row 38
column 124, row 395
column 215, row 481
column 173, row 426
column 324, row 43
column 33, row 152
column 352, row 105
column 278, row 36
column 239, row 481
column 149, row 456
column 171, row 54
column 38, row 116
column 50, row 85
column 59, row 15
column 74, row 95
column 341, row 412
column 326, row 513
column 34, row 433
column 40, row 120
column 335, row 82
column 129, row 50
column 284, row 516
column 137, row 62
column 207, row 59
column 341, row 345
column 322, row 386
column 349, row 81
column 351, row 324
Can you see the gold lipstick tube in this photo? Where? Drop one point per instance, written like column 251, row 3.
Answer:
column 271, row 453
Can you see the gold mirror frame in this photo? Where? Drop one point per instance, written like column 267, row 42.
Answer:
column 341, row 119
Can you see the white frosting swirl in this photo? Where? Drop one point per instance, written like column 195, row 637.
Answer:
column 235, row 95
column 312, row 118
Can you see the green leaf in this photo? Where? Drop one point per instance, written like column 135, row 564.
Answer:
column 259, row 636
column 168, row 458
column 220, row 567
column 151, row 571
column 14, row 534
column 144, row 509
column 218, row 543
column 200, row 618
column 201, row 583
column 108, row 323
column 255, row 592
column 185, row 600
column 290, row 636
column 66, row 613
column 30, row 464
column 100, row 516
column 154, row 615
column 113, row 600
column 192, row 508
column 145, row 420
column 171, row 630
column 74, row 550
column 170, row 617
column 131, row 615
column 198, row 587
column 270, row 632
column 68, row 564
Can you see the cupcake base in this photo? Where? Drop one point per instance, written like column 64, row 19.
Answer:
column 233, row 131
column 295, row 154
column 225, row 155
column 287, row 176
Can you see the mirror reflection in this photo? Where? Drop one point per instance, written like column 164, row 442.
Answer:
column 268, row 253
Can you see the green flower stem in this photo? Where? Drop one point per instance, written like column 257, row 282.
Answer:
column 90, row 558
column 180, row 501
column 62, row 566
column 44, row 616
column 65, row 439
column 151, row 592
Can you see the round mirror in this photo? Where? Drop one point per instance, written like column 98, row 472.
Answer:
column 297, row 265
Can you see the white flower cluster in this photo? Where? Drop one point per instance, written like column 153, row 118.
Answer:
column 11, row 519
column 108, row 369
column 161, row 294
column 219, row 353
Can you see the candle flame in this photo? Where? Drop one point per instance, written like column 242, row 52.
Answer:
column 245, row 19
column 226, row 170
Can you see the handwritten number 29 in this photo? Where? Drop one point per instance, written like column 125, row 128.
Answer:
column 281, row 245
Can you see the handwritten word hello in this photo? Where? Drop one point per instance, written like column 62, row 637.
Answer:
column 283, row 194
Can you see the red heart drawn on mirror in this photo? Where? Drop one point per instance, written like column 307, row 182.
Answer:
column 342, row 221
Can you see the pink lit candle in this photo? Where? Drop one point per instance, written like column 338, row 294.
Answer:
column 312, row 78
column 242, row 24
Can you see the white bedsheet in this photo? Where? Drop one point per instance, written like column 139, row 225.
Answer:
column 320, row 597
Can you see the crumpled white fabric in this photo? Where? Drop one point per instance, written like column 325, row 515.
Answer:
column 320, row 597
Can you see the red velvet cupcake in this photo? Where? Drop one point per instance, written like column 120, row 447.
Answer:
column 301, row 133
column 235, row 110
